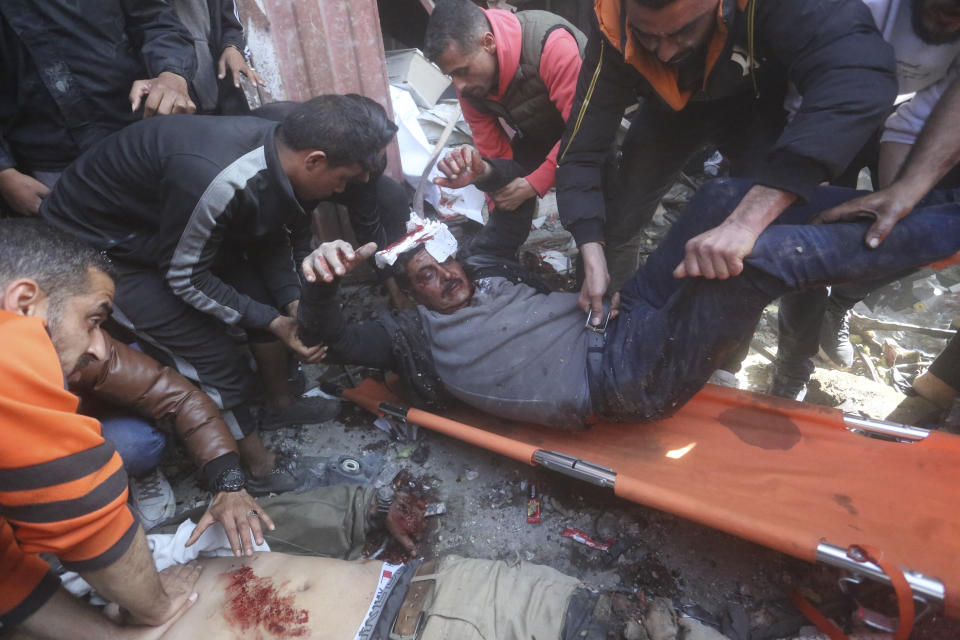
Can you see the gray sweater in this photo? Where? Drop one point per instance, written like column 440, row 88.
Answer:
column 514, row 353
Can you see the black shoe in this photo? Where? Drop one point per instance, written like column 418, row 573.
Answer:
column 291, row 473
column 311, row 410
column 791, row 387
column 835, row 337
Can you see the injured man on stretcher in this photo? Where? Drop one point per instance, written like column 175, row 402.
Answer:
column 492, row 335
column 341, row 597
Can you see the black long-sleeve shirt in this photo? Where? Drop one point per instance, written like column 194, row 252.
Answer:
column 179, row 193
column 830, row 50
column 66, row 68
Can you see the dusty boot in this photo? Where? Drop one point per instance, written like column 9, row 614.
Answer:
column 835, row 336
column 785, row 385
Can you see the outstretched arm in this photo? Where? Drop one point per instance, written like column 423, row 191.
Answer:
column 320, row 315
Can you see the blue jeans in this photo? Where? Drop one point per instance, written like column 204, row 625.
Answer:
column 801, row 314
column 139, row 444
column 672, row 334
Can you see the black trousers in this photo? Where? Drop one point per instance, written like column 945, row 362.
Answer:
column 196, row 344
column 659, row 144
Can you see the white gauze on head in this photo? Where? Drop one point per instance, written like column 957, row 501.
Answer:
column 432, row 234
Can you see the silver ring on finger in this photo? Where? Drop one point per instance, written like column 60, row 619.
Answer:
column 253, row 513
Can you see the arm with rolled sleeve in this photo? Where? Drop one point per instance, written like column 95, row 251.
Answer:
column 559, row 68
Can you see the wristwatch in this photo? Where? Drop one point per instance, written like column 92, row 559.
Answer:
column 230, row 480
column 383, row 499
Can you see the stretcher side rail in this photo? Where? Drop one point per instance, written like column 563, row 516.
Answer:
column 924, row 588
column 899, row 432
column 921, row 585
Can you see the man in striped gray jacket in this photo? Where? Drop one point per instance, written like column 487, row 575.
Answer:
column 203, row 217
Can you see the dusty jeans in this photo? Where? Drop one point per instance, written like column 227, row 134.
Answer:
column 671, row 334
column 801, row 314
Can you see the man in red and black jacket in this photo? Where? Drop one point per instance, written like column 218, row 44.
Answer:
column 516, row 76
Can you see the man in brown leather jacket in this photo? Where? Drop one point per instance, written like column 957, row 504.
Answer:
column 131, row 380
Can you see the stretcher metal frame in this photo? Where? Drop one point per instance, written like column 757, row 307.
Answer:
column 930, row 591
column 924, row 587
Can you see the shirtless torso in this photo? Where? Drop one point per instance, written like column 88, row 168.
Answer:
column 273, row 596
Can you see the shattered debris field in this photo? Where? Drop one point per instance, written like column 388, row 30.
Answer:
column 712, row 576
column 635, row 554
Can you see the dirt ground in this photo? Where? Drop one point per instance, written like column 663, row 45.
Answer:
column 717, row 578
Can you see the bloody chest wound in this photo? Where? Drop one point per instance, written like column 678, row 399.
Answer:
column 256, row 604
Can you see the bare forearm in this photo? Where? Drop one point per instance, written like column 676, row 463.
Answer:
column 937, row 149
column 63, row 616
column 892, row 157
column 133, row 583
column 761, row 206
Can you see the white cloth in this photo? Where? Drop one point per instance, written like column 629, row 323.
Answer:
column 388, row 580
column 433, row 235
column 168, row 549
column 415, row 152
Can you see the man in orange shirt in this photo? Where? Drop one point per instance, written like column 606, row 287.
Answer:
column 63, row 489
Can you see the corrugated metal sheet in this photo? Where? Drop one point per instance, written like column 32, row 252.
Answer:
column 303, row 48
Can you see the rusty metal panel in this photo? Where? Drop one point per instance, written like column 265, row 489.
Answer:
column 304, row 48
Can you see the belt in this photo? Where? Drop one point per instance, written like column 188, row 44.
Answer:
column 410, row 617
column 596, row 339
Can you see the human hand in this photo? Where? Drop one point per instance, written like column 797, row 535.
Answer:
column 717, row 253
column 334, row 259
column 240, row 516
column 165, row 94
column 596, row 280
column 144, row 632
column 462, row 166
column 515, row 193
column 405, row 520
column 232, row 59
column 285, row 328
column 177, row 583
column 22, row 192
column 886, row 207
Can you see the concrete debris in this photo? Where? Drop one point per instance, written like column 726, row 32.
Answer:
column 660, row 620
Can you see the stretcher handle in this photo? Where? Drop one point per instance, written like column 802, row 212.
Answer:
column 863, row 553
column 519, row 451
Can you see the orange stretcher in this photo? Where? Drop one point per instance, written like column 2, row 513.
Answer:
column 808, row 481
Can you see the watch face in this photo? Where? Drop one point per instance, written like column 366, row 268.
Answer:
column 231, row 480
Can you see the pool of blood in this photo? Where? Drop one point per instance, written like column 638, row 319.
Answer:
column 255, row 603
